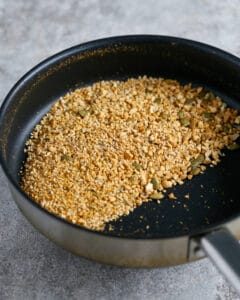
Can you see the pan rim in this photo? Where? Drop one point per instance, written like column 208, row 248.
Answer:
column 91, row 46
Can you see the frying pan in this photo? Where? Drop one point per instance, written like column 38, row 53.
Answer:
column 153, row 235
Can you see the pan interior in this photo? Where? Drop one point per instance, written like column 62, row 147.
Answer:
column 214, row 195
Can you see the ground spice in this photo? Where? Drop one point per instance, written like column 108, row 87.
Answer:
column 103, row 150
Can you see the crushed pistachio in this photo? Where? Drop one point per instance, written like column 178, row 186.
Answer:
column 82, row 112
column 205, row 95
column 195, row 171
column 184, row 121
column 197, row 161
column 227, row 127
column 157, row 100
column 119, row 160
column 233, row 146
column 155, row 183
column 190, row 101
column 149, row 188
column 208, row 115
column 157, row 196
column 65, row 157
column 137, row 166
column 94, row 192
column 209, row 96
column 181, row 114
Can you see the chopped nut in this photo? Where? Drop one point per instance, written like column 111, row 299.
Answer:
column 181, row 114
column 202, row 93
column 157, row 100
column 197, row 161
column 208, row 115
column 172, row 196
column 184, row 121
column 157, row 196
column 149, row 188
column 209, row 96
column 155, row 183
column 83, row 112
column 237, row 120
column 137, row 166
column 227, row 127
column 189, row 101
column 143, row 175
column 105, row 149
column 195, row 171
column 65, row 157
column 127, row 155
column 166, row 184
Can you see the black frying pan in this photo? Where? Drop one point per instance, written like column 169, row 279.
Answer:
column 168, row 233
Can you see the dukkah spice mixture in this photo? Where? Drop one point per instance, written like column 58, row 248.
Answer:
column 103, row 150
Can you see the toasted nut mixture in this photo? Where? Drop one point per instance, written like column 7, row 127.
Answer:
column 105, row 149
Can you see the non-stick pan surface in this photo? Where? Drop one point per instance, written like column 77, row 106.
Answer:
column 213, row 196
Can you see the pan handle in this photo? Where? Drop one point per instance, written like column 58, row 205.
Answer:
column 224, row 251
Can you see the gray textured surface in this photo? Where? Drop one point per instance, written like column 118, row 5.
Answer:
column 31, row 267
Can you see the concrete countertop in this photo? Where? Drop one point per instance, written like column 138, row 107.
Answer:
column 31, row 267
